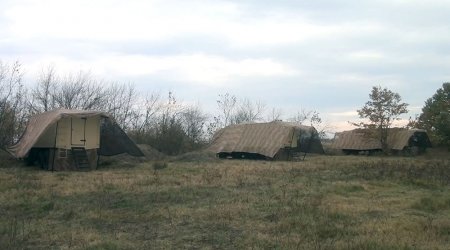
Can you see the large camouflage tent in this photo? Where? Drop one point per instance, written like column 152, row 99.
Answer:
column 364, row 140
column 70, row 139
column 273, row 140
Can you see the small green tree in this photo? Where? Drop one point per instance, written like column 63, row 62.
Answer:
column 383, row 108
column 435, row 117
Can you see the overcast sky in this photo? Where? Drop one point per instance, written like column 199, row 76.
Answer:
column 290, row 54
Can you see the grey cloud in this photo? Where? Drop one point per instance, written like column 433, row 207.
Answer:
column 412, row 38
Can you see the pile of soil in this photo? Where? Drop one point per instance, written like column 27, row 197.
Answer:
column 196, row 156
column 150, row 154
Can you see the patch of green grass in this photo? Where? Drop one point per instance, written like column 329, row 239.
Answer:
column 425, row 184
column 47, row 207
column 432, row 204
column 444, row 231
column 347, row 190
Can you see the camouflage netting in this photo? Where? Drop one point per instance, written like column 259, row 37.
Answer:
column 114, row 141
column 266, row 139
column 149, row 154
column 398, row 139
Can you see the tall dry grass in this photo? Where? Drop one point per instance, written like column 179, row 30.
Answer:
column 321, row 203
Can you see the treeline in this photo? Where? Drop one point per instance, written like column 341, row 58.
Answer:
column 160, row 120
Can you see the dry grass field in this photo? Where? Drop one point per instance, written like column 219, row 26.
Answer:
column 324, row 202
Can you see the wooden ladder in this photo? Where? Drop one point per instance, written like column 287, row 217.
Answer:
column 80, row 157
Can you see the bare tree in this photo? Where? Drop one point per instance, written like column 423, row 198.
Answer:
column 171, row 112
column 226, row 104
column 80, row 91
column 311, row 118
column 308, row 117
column 119, row 101
column 12, row 103
column 83, row 91
column 275, row 114
column 44, row 91
column 212, row 126
column 145, row 116
column 194, row 121
column 169, row 134
column 248, row 112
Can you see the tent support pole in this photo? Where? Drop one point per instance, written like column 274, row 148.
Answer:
column 102, row 120
column 54, row 146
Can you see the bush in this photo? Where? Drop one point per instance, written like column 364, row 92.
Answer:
column 158, row 165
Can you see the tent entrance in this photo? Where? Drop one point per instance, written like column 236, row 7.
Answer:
column 78, row 135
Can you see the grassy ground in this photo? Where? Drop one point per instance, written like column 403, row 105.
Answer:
column 326, row 202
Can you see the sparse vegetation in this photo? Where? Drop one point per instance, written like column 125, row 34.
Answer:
column 325, row 202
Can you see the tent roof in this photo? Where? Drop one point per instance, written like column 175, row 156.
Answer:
column 39, row 123
column 354, row 140
column 261, row 138
column 358, row 139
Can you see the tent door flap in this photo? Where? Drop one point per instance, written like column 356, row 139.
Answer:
column 78, row 135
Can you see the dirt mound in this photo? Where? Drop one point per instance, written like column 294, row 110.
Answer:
column 196, row 156
column 150, row 154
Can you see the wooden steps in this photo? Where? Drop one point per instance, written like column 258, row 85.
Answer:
column 80, row 157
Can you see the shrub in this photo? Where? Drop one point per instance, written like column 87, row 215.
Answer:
column 158, row 165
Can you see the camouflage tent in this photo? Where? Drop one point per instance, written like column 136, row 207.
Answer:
column 69, row 139
column 273, row 140
column 398, row 139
